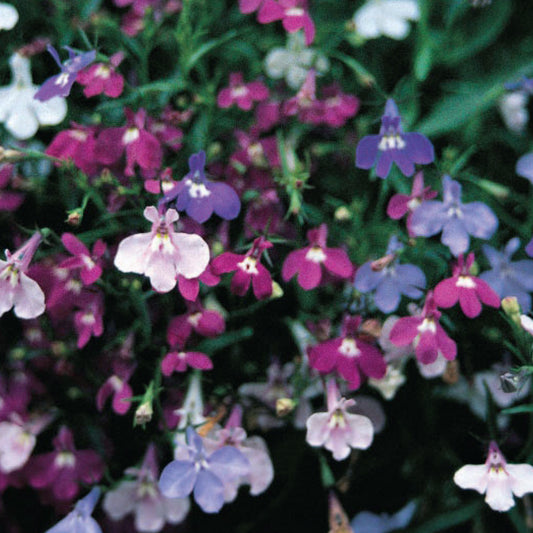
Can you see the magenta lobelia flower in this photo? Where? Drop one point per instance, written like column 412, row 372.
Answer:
column 141, row 147
column 497, row 479
column 190, row 288
column 118, row 387
column 17, row 290
column 338, row 430
column 242, row 94
column 9, row 200
column 142, row 497
column 400, row 204
column 179, row 361
column 424, row 331
column 103, row 78
column 60, row 84
column 247, row 270
column 62, row 470
column 305, row 104
column 309, row 262
column 348, row 355
column 88, row 321
column 162, row 254
column 89, row 264
column 392, row 145
column 469, row 290
column 256, row 151
column 205, row 322
column 338, row 107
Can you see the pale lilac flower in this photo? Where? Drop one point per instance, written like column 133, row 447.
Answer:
column 524, row 166
column 8, row 16
column 497, row 479
column 389, row 280
column 202, row 473
column 162, row 254
column 79, row 520
column 60, row 84
column 366, row 522
column 392, row 145
column 141, row 497
column 389, row 384
column 386, row 17
column 19, row 111
column 456, row 220
column 338, row 430
column 513, row 108
column 17, row 290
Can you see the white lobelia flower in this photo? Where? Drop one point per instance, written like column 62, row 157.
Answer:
column 294, row 62
column 497, row 479
column 513, row 108
column 8, row 16
column 385, row 17
column 19, row 112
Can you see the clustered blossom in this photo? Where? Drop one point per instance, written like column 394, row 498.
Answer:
column 242, row 94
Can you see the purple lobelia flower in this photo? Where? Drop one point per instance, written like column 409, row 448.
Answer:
column 456, row 220
column 389, row 280
column 199, row 197
column 392, row 145
column 60, row 84
column 202, row 473
column 509, row 278
column 524, row 166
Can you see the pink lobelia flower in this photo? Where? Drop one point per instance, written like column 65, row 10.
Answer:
column 400, row 204
column 240, row 93
column 163, row 254
column 180, row 361
column 305, row 104
column 16, row 288
column 117, row 386
column 9, row 200
column 102, row 78
column 497, row 479
column 247, row 270
column 309, row 261
column 338, row 107
column 468, row 290
column 90, row 264
column 292, row 13
column 338, row 430
column 141, row 147
column 190, row 287
column 89, row 320
column 64, row 469
column 349, row 355
column 425, row 332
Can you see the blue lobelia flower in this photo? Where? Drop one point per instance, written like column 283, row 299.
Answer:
column 389, row 280
column 203, row 473
column 456, row 220
column 392, row 145
column 199, row 197
column 60, row 84
column 509, row 278
column 79, row 520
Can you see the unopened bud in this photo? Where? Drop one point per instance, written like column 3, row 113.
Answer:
column 277, row 291
column 143, row 414
column 284, row 406
column 342, row 213
column 74, row 217
column 511, row 308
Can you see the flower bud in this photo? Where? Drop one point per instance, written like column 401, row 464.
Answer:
column 511, row 308
column 284, row 406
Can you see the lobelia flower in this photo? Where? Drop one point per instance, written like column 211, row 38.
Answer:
column 456, row 220
column 338, row 107
column 305, row 104
column 400, row 204
column 465, row 288
column 310, row 261
column 179, row 361
column 8, row 16
column 392, row 145
column 19, row 111
column 247, row 270
column 524, row 167
column 242, row 94
column 190, row 288
column 117, row 386
column 202, row 473
column 366, row 522
column 386, row 17
column 338, row 430
column 140, row 146
column 9, row 200
column 513, row 108
column 17, row 290
column 389, row 279
column 497, row 479
column 162, row 254
column 262, row 153
column 62, row 470
column 142, row 497
column 508, row 278
column 61, row 84
column 90, row 264
column 89, row 320
column 200, row 197
column 425, row 332
column 348, row 355
column 103, row 78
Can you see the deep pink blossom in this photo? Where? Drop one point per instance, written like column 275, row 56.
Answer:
column 348, row 355
column 242, row 94
column 305, row 103
column 88, row 321
column 179, row 361
column 190, row 287
column 292, row 13
column 424, row 331
column 469, row 290
column 103, row 78
column 310, row 261
column 89, row 263
column 205, row 322
column 9, row 200
column 338, row 107
column 118, row 387
column 164, row 183
column 247, row 270
column 256, row 151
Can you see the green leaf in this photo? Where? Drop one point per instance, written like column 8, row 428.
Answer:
column 423, row 62
column 447, row 520
column 519, row 409
column 207, row 47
